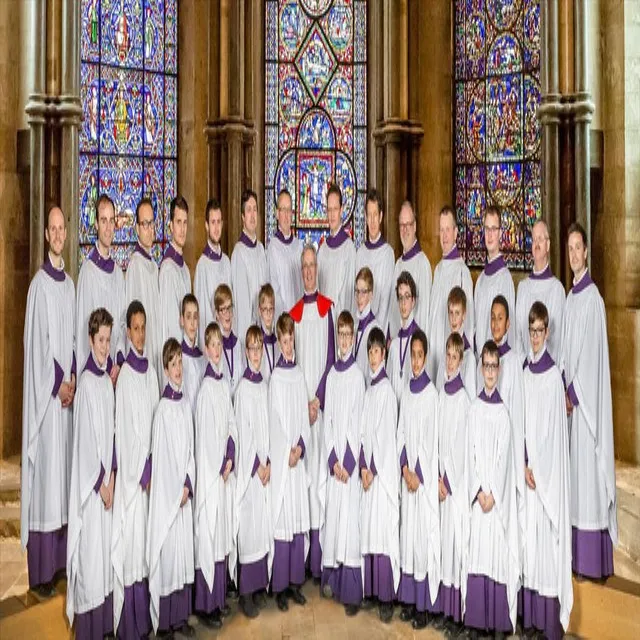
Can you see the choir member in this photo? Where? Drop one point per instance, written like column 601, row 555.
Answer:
column 367, row 320
column 232, row 348
column 248, row 265
column 213, row 268
column 49, row 386
column 193, row 362
column 266, row 308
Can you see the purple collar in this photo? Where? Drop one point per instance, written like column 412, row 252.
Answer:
column 211, row 254
column 498, row 263
column 192, row 352
column 92, row 366
column 545, row 274
column 583, row 284
column 465, row 342
column 380, row 242
column 278, row 234
column 504, row 348
column 544, row 363
column 493, row 399
column 453, row 254
column 228, row 342
column 251, row 376
column 285, row 364
column 247, row 241
column 454, row 385
column 268, row 338
column 210, row 373
column 416, row 385
column 343, row 365
column 413, row 252
column 409, row 331
column 333, row 242
column 171, row 394
column 141, row 250
column 57, row 274
column 381, row 376
column 137, row 363
column 172, row 254
column 104, row 264
column 309, row 298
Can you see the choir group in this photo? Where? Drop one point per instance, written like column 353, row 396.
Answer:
column 315, row 413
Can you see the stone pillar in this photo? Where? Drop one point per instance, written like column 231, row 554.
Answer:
column 70, row 114
column 549, row 113
column 36, row 110
column 583, row 112
column 396, row 135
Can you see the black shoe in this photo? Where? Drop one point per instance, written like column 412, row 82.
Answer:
column 296, row 595
column 46, row 590
column 474, row 634
column 165, row 635
column 438, row 621
column 499, row 635
column 248, row 607
column 186, row 630
column 368, row 603
column 408, row 613
column 316, row 581
column 260, row 599
column 213, row 620
column 225, row 611
column 385, row 610
column 232, row 591
column 281, row 601
column 420, row 621
column 351, row 609
column 326, row 591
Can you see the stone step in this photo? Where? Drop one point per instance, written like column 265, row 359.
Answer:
column 628, row 493
column 10, row 520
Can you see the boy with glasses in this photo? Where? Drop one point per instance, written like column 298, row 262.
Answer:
column 232, row 348
column 366, row 318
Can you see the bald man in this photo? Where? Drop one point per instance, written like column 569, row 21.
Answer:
column 413, row 260
column 48, row 390
column 540, row 286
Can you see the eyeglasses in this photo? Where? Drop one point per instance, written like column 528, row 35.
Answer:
column 405, row 297
column 285, row 209
column 536, row 332
column 491, row 229
column 266, row 309
column 490, row 366
column 345, row 334
column 146, row 224
column 406, row 225
column 223, row 311
column 255, row 348
column 361, row 292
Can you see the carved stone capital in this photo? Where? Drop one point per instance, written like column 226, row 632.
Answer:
column 394, row 130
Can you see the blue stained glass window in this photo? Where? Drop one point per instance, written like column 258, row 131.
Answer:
column 128, row 87
column 315, row 111
column 497, row 134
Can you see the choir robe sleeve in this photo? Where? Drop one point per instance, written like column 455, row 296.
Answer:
column 247, row 451
column 38, row 381
column 383, row 452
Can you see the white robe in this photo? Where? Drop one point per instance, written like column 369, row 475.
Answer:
column 253, row 501
column 487, row 288
column 283, row 261
column 380, row 505
column 193, row 367
column 209, row 275
column 89, row 570
column 468, row 371
column 360, row 339
column 214, row 511
column 547, row 544
column 493, row 546
column 288, row 423
column 137, row 397
column 46, row 427
column 249, row 272
column 233, row 364
column 449, row 273
column 585, row 364
column 170, row 533
column 550, row 292
column 97, row 288
column 420, row 269
column 399, row 361
column 270, row 356
column 420, row 511
column 337, row 273
column 454, row 509
column 340, row 535
column 141, row 283
column 175, row 283
column 381, row 260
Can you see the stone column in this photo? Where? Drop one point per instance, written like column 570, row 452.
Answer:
column 583, row 109
column 70, row 114
column 549, row 113
column 36, row 110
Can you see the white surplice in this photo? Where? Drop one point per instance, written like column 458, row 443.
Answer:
column 468, row 372
column 365, row 322
column 417, row 437
column 175, row 283
column 337, row 271
column 193, row 366
column 399, row 358
column 285, row 271
column 49, row 335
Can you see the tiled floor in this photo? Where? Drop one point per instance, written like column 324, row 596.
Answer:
column 14, row 580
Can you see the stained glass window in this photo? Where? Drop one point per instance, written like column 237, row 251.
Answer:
column 128, row 89
column 497, row 134
column 315, row 111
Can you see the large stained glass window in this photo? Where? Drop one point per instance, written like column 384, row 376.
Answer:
column 315, row 111
column 128, row 86
column 497, row 135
